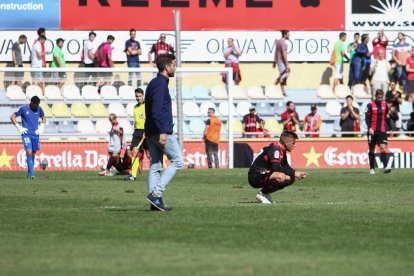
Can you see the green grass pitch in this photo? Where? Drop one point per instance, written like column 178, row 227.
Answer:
column 335, row 222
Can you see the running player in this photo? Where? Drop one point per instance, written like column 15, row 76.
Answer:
column 270, row 170
column 30, row 130
column 376, row 114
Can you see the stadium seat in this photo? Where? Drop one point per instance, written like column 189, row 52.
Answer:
column 118, row 109
column 98, row 110
column 86, row 127
column 90, row 92
column 280, row 107
column 197, row 126
column 219, row 93
column 5, row 113
column 265, row 109
column 50, row 127
column 187, row 93
column 333, row 108
column 327, row 130
column 34, row 90
column 79, row 110
column 126, row 92
column 71, row 92
column 273, row 92
column 126, row 124
column 237, row 126
column 186, row 129
column 66, row 127
column 255, row 92
column 324, row 91
column 224, row 109
column 358, row 90
column 130, row 108
column 108, row 92
column 342, row 90
column 8, row 129
column 273, row 126
column 60, row 110
column 15, row 93
column 52, row 92
column 46, row 110
column 243, row 108
column 103, row 126
column 239, row 93
column 191, row 109
column 406, row 108
column 200, row 92
column 205, row 106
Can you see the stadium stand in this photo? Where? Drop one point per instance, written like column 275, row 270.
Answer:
column 66, row 126
column 5, row 113
column 98, row 110
column 205, row 106
column 79, row 110
column 196, row 126
column 108, row 92
column 325, row 92
column 200, row 92
column 273, row 92
column 46, row 110
column 219, row 93
column 342, row 90
column 191, row 109
column 128, row 129
column 358, row 91
column 60, row 110
column 239, row 93
column 15, row 93
column 86, row 127
column 187, row 93
column 265, row 109
column 237, row 127
column 34, row 90
column 224, row 109
column 71, row 92
column 52, row 92
column 118, row 109
column 243, row 108
column 103, row 126
column 90, row 92
column 126, row 92
column 255, row 92
column 51, row 127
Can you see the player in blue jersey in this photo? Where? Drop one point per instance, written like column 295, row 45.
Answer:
column 30, row 130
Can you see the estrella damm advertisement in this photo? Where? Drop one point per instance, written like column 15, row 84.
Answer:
column 29, row 14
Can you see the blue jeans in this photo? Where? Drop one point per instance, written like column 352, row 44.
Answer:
column 401, row 75
column 157, row 182
column 132, row 75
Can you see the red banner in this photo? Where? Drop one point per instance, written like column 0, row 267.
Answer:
column 203, row 14
column 307, row 154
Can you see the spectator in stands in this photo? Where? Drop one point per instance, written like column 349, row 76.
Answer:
column 88, row 54
column 281, row 61
column 409, row 67
column 115, row 144
column 249, row 123
column 312, row 122
column 360, row 58
column 59, row 62
column 351, row 50
column 400, row 53
column 350, row 118
column 212, row 138
column 380, row 42
column 18, row 59
column 410, row 124
column 290, row 118
column 37, row 55
column 263, row 132
column 42, row 32
column 391, row 123
column 159, row 48
column 232, row 53
column 393, row 98
column 410, row 98
column 133, row 51
column 117, row 82
column 105, row 60
column 339, row 49
column 380, row 70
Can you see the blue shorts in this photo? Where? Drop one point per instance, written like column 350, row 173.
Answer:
column 31, row 142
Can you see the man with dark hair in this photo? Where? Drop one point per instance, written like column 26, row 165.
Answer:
column 376, row 115
column 410, row 124
column 159, row 48
column 339, row 48
column 359, row 60
column 351, row 50
column 30, row 130
column 106, row 60
column 59, row 62
column 18, row 59
column 349, row 117
column 281, row 60
column 88, row 54
column 133, row 51
column 211, row 138
column 270, row 170
column 249, row 123
column 400, row 52
column 38, row 60
column 159, row 132
column 290, row 118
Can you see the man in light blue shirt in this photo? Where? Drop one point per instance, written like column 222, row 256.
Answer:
column 30, row 130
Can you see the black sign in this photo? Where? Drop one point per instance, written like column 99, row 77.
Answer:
column 374, row 6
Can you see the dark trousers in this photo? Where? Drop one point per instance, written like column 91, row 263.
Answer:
column 212, row 151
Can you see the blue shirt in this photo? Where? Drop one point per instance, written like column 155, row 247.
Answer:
column 158, row 107
column 30, row 118
column 134, row 46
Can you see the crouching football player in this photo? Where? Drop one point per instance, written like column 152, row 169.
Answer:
column 270, row 170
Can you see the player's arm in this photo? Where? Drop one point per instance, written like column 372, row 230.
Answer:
column 14, row 58
column 368, row 117
column 274, row 154
column 285, row 59
column 13, row 119
column 285, row 119
column 228, row 52
column 205, row 129
column 57, row 59
column 295, row 118
column 318, row 123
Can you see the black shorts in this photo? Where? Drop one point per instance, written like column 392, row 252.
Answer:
column 259, row 180
column 377, row 139
column 136, row 138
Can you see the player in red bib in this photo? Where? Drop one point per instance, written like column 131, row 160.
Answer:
column 376, row 114
column 270, row 170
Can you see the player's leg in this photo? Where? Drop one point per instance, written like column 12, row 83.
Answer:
column 35, row 148
column 372, row 141
column 383, row 156
column 277, row 181
column 258, row 180
column 28, row 147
